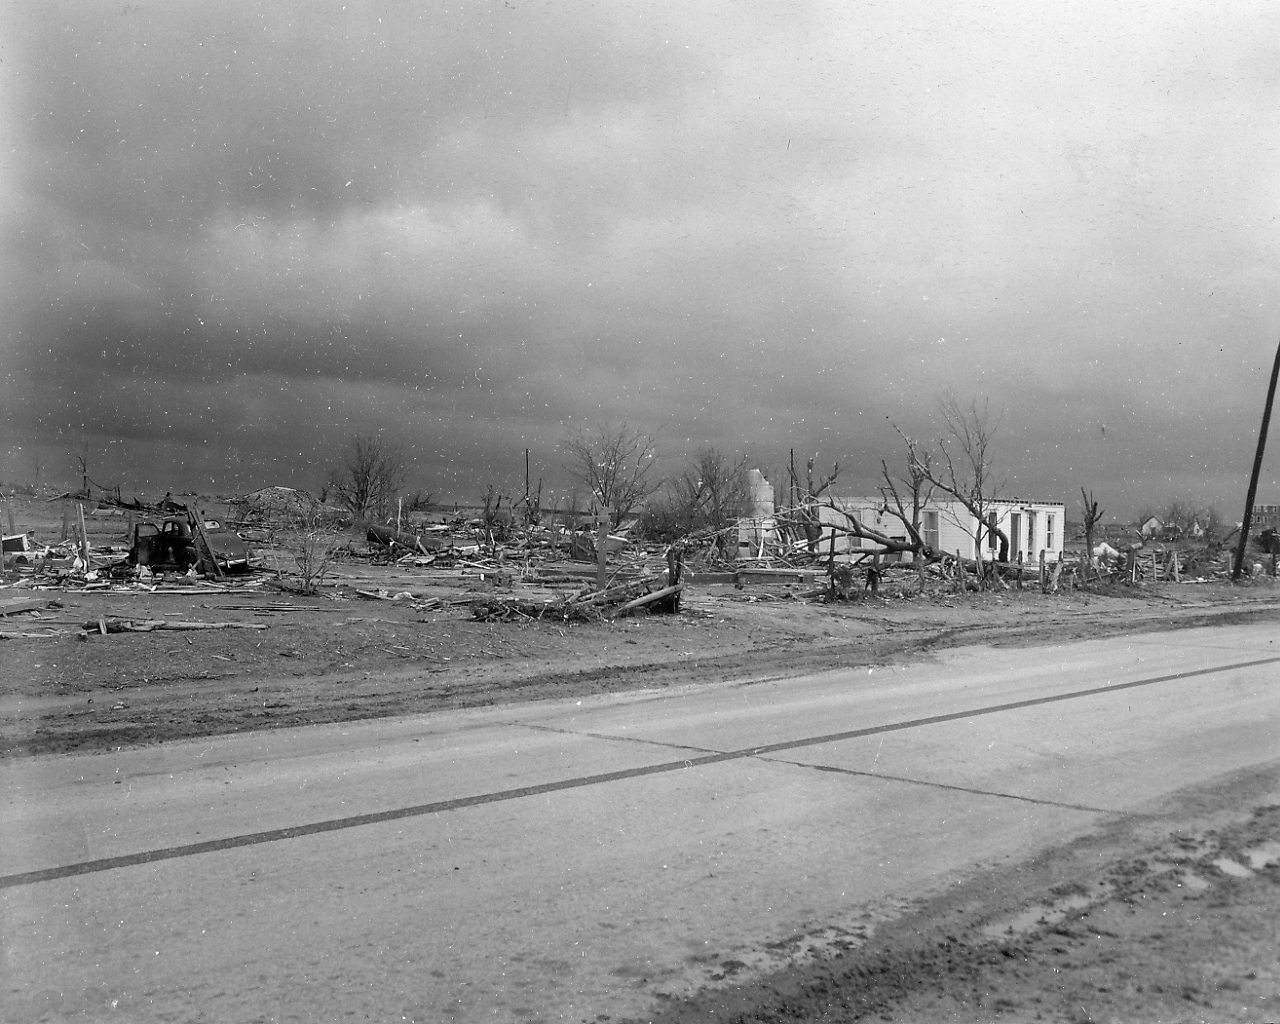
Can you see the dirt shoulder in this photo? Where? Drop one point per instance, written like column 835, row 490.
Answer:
column 1165, row 916
column 340, row 657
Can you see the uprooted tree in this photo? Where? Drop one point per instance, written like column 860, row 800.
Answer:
column 616, row 464
column 371, row 473
column 806, row 517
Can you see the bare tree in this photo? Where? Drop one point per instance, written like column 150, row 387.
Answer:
column 711, row 495
column 1092, row 516
column 804, row 516
column 614, row 463
column 532, row 502
column 493, row 517
column 916, row 486
column 1182, row 516
column 665, row 518
column 965, row 468
column 418, row 501
column 82, row 456
column 372, row 471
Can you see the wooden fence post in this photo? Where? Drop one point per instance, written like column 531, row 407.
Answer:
column 602, row 549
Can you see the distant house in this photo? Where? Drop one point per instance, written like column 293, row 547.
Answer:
column 1151, row 527
column 1264, row 517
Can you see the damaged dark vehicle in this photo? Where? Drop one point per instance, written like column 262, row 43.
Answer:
column 182, row 542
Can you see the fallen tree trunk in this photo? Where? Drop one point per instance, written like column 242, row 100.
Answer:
column 149, row 625
column 392, row 539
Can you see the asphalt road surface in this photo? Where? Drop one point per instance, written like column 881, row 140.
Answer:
column 570, row 860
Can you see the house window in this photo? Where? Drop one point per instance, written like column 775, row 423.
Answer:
column 1031, row 534
column 1048, row 530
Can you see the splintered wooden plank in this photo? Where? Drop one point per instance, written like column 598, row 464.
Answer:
column 13, row 605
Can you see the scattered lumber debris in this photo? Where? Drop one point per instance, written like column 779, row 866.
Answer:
column 105, row 625
column 381, row 594
column 15, row 605
column 492, row 608
column 50, row 635
column 649, row 592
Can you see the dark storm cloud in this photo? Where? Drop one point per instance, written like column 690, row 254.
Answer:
column 235, row 234
column 147, row 112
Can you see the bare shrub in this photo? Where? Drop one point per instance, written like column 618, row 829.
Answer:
column 313, row 546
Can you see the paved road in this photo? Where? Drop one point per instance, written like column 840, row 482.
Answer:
column 563, row 861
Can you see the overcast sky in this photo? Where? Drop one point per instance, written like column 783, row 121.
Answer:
column 236, row 234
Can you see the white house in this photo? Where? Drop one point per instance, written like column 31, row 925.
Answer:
column 1030, row 526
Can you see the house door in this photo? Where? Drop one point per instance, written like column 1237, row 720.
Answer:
column 1015, row 534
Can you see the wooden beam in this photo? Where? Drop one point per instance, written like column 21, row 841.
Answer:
column 197, row 525
column 640, row 602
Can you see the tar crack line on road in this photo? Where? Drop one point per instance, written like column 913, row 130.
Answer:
column 958, row 789
column 378, row 817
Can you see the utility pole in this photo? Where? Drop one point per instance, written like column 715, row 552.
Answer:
column 1257, row 468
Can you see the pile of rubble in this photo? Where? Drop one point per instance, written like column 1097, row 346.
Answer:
column 651, row 593
column 167, row 546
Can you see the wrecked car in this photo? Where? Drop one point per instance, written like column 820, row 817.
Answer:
column 176, row 542
column 228, row 547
